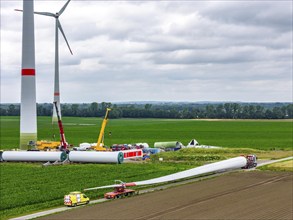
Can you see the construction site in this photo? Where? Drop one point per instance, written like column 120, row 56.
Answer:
column 148, row 177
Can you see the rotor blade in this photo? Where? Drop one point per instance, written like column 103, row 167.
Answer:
column 45, row 13
column 60, row 28
column 103, row 187
column 63, row 8
column 39, row 13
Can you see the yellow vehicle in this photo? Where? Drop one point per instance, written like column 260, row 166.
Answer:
column 100, row 143
column 45, row 145
column 76, row 198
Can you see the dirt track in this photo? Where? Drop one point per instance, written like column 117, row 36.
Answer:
column 245, row 195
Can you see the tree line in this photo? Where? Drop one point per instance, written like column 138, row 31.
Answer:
column 165, row 110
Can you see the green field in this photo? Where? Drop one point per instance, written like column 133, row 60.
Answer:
column 29, row 187
column 281, row 166
column 265, row 135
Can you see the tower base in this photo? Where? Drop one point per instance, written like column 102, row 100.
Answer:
column 25, row 139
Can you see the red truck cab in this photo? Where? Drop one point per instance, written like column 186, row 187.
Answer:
column 251, row 161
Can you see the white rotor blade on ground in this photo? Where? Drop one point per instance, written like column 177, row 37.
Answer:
column 63, row 8
column 60, row 28
column 233, row 163
column 103, row 187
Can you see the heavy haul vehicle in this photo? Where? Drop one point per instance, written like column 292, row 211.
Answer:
column 251, row 161
column 76, row 198
column 119, row 191
column 244, row 162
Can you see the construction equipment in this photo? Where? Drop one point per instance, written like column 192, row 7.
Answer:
column 64, row 144
column 100, row 143
column 119, row 191
column 251, row 161
column 53, row 145
column 48, row 145
column 76, row 198
column 220, row 166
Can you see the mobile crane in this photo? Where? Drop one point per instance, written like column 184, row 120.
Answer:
column 64, row 144
column 53, row 145
column 100, row 142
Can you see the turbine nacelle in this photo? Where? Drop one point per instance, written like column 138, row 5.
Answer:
column 56, row 16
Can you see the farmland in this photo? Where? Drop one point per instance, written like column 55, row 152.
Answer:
column 263, row 135
column 28, row 187
column 240, row 195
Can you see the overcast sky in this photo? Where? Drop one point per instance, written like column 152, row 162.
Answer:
column 155, row 51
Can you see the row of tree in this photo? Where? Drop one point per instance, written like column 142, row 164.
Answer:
column 164, row 110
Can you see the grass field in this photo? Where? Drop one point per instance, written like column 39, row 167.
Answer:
column 29, row 187
column 264, row 135
column 281, row 166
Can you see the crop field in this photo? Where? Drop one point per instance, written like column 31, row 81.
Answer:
column 263, row 135
column 29, row 187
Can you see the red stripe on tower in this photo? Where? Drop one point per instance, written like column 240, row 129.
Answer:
column 28, row 72
column 56, row 94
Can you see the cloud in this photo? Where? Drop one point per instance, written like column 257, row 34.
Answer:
column 156, row 50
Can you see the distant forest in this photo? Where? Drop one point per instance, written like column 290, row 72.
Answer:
column 165, row 110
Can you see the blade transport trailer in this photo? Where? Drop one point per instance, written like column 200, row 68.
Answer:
column 119, row 191
column 224, row 165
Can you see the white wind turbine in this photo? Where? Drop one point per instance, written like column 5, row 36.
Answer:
column 56, row 80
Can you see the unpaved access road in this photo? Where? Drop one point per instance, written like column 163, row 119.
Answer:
column 241, row 195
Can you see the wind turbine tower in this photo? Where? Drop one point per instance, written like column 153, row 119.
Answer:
column 28, row 107
column 56, row 79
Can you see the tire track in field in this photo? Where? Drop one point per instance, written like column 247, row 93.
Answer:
column 207, row 198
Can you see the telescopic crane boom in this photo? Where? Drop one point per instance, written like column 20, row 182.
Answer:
column 100, row 142
column 64, row 144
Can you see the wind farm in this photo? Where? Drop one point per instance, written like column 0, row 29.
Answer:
column 229, row 177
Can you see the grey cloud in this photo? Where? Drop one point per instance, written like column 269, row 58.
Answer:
column 227, row 50
column 273, row 14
